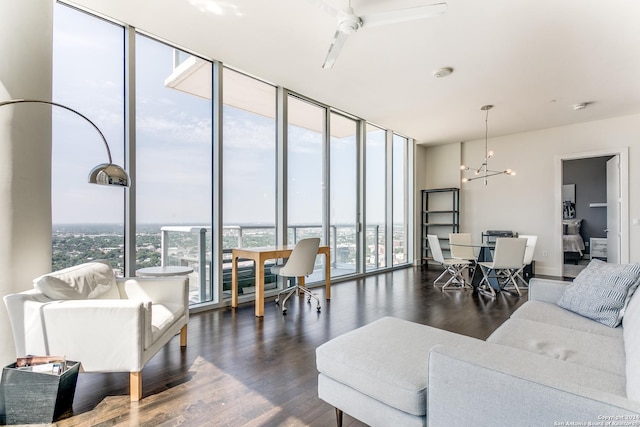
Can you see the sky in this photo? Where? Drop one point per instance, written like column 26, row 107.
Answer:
column 173, row 137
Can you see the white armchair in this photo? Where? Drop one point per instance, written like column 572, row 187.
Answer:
column 108, row 324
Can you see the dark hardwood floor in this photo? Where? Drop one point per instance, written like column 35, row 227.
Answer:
column 238, row 370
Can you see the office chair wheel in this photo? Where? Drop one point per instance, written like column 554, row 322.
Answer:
column 277, row 301
column 284, row 311
column 309, row 300
column 318, row 309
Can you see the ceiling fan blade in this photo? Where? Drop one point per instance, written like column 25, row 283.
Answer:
column 338, row 41
column 403, row 15
column 326, row 7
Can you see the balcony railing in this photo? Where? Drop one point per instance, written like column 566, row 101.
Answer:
column 191, row 246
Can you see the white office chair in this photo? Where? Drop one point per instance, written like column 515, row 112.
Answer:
column 461, row 248
column 299, row 264
column 453, row 267
column 528, row 257
column 507, row 259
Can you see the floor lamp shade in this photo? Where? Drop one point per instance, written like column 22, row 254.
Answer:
column 103, row 174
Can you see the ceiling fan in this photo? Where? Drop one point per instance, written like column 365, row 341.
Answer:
column 349, row 22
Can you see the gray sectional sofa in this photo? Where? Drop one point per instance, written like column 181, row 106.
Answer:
column 545, row 366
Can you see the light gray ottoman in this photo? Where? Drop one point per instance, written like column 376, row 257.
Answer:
column 378, row 373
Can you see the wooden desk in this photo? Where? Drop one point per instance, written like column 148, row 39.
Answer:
column 259, row 256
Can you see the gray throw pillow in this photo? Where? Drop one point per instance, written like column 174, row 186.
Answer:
column 601, row 291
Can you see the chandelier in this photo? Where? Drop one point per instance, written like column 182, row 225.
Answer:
column 483, row 172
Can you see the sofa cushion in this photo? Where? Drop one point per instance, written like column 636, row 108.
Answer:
column 561, row 343
column 84, row 281
column 601, row 290
column 631, row 327
column 386, row 360
column 545, row 312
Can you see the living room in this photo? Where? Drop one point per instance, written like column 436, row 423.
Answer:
column 532, row 136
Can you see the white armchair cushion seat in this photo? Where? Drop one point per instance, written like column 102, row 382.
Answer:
column 162, row 316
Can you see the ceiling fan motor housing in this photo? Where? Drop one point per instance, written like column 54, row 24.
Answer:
column 348, row 22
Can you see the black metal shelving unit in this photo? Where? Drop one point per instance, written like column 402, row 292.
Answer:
column 438, row 219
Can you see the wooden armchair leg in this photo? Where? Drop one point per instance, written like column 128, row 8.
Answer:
column 183, row 336
column 135, row 386
column 339, row 414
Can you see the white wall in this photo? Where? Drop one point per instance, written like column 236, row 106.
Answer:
column 420, row 178
column 442, row 165
column 431, row 173
column 526, row 202
column 25, row 151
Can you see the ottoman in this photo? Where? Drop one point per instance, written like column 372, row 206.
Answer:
column 378, row 373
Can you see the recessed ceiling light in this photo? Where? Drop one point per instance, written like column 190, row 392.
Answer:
column 442, row 72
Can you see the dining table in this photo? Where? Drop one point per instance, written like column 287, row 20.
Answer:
column 485, row 254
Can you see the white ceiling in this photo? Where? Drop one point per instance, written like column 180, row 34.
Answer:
column 532, row 59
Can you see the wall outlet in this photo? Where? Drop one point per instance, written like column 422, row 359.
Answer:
column 545, row 253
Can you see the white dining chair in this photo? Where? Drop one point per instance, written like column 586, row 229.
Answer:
column 299, row 264
column 507, row 259
column 461, row 246
column 528, row 257
column 451, row 266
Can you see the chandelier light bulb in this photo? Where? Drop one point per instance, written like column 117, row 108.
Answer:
column 489, row 154
column 463, row 168
column 465, row 179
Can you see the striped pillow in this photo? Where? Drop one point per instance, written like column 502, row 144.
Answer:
column 601, row 291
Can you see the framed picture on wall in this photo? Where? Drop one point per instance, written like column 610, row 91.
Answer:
column 568, row 201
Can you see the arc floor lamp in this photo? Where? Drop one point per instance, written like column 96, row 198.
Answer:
column 104, row 173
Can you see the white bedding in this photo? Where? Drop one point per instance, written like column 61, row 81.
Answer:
column 572, row 243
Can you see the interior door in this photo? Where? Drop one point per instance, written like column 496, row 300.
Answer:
column 613, row 210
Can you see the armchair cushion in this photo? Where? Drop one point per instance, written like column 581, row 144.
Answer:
column 85, row 281
column 162, row 316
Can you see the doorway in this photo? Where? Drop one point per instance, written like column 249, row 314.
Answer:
column 587, row 184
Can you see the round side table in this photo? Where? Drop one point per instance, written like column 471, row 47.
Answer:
column 167, row 270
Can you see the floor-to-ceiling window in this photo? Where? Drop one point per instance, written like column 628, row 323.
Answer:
column 248, row 172
column 305, row 183
column 376, row 191
column 88, row 76
column 305, row 171
column 173, row 163
column 343, row 200
column 399, row 188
